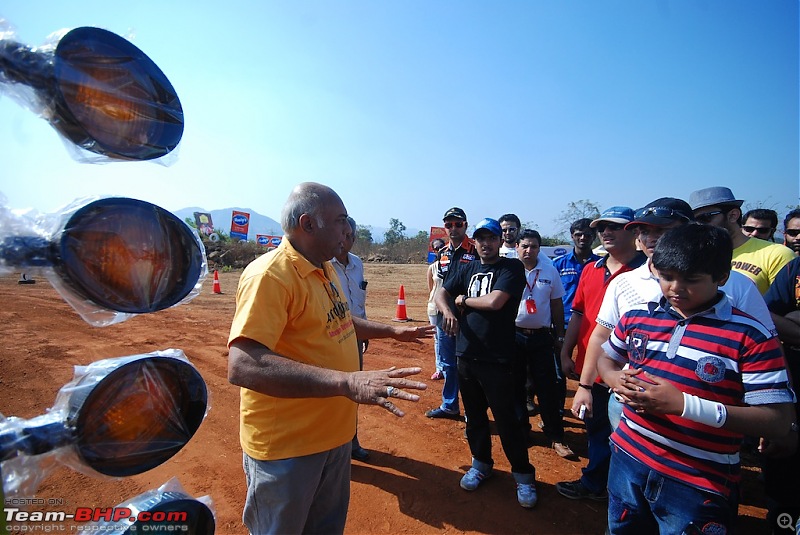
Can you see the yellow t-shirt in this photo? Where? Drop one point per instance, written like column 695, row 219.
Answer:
column 761, row 261
column 298, row 311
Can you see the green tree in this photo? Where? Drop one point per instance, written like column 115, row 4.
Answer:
column 364, row 242
column 395, row 235
column 575, row 210
column 364, row 234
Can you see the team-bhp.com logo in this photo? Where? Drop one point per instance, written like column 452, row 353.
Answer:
column 149, row 521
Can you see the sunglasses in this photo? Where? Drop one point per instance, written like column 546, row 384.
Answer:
column 708, row 216
column 613, row 227
column 456, row 224
column 757, row 230
column 793, row 232
column 659, row 211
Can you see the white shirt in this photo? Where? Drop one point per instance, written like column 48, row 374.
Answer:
column 641, row 286
column 351, row 279
column 437, row 283
column 542, row 283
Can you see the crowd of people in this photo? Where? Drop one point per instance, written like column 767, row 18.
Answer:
column 683, row 333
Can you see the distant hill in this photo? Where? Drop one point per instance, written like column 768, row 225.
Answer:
column 259, row 224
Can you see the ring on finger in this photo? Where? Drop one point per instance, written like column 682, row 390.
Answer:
column 389, row 391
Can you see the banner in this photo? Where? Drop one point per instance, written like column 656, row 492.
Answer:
column 436, row 232
column 268, row 241
column 240, row 221
column 204, row 224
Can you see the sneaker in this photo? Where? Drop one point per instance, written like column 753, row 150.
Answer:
column 473, row 478
column 563, row 450
column 526, row 495
column 359, row 454
column 574, row 490
column 439, row 412
column 437, row 376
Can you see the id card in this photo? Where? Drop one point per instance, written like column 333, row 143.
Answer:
column 530, row 305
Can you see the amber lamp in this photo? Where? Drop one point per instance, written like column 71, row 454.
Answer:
column 122, row 254
column 100, row 92
column 122, row 421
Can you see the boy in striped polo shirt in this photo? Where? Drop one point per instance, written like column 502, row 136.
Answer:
column 701, row 374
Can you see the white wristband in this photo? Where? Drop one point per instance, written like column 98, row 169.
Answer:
column 704, row 411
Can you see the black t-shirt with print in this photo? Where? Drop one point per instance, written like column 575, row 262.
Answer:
column 484, row 334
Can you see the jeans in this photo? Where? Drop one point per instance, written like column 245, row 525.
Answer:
column 536, row 359
column 598, row 431
column 643, row 501
column 308, row 494
column 490, row 385
column 449, row 362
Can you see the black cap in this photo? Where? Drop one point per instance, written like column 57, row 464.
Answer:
column 662, row 212
column 455, row 212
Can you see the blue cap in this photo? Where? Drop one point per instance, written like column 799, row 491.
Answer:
column 616, row 214
column 488, row 224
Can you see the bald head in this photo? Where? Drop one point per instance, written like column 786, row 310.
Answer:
column 314, row 221
column 306, row 198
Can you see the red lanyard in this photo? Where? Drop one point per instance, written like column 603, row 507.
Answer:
column 532, row 286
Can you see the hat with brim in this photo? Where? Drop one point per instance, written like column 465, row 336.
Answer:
column 715, row 196
column 488, row 225
column 621, row 215
column 662, row 212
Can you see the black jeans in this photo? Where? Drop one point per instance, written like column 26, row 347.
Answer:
column 486, row 385
column 536, row 356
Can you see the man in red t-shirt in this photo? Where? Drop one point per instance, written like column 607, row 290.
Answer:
column 620, row 244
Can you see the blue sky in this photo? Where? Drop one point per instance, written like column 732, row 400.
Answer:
column 408, row 108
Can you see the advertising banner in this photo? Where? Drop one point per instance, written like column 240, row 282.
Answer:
column 268, row 241
column 204, row 224
column 436, row 232
column 240, row 221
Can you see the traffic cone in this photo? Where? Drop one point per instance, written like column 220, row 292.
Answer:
column 216, row 288
column 400, row 315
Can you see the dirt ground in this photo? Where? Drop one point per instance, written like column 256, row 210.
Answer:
column 409, row 485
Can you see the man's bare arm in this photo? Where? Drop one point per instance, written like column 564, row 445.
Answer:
column 254, row 366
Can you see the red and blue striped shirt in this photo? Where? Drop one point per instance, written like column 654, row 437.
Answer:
column 721, row 354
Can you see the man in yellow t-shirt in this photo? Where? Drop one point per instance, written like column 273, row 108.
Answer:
column 757, row 259
column 293, row 353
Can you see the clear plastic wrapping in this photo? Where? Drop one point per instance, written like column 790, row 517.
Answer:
column 117, row 417
column 109, row 258
column 106, row 98
column 166, row 509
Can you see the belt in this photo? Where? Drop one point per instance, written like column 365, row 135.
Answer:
column 533, row 331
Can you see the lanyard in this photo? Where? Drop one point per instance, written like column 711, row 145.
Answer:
column 530, row 287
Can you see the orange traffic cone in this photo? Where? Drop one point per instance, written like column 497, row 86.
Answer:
column 400, row 315
column 216, row 288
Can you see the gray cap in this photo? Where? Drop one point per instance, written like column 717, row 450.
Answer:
column 717, row 195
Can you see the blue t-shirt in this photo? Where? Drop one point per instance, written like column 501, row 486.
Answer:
column 570, row 268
